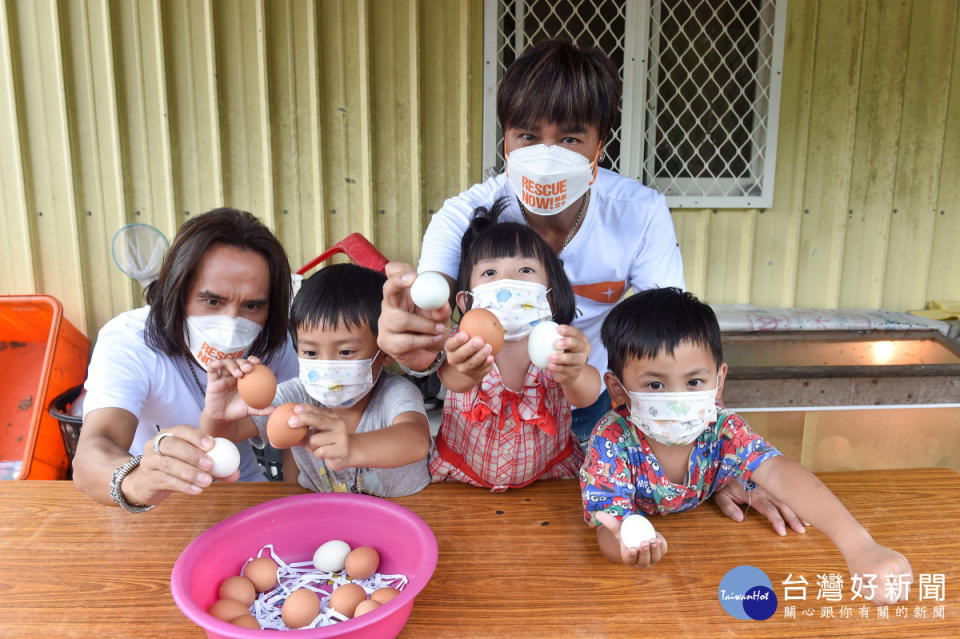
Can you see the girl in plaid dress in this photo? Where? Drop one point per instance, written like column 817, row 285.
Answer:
column 506, row 422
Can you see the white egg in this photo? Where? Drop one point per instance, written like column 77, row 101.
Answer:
column 540, row 343
column 331, row 556
column 430, row 291
column 635, row 530
column 225, row 456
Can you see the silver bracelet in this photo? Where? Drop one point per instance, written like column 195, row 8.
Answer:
column 115, row 493
column 441, row 356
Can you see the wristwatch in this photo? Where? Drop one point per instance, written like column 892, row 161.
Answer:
column 442, row 355
column 117, row 495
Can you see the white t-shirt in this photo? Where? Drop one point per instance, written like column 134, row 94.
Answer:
column 392, row 395
column 626, row 241
column 126, row 373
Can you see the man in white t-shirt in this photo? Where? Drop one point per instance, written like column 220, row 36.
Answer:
column 223, row 291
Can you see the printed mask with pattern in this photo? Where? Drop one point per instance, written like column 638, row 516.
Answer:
column 338, row 383
column 517, row 304
column 673, row 419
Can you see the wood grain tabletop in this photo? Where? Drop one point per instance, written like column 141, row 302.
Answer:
column 516, row 564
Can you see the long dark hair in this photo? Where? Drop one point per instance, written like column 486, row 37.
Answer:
column 167, row 295
column 486, row 239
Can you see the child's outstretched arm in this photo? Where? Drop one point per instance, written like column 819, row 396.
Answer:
column 224, row 413
column 580, row 382
column 469, row 359
column 403, row 442
column 793, row 484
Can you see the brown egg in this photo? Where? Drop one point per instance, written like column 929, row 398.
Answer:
column 300, row 608
column 227, row 609
column 366, row 606
column 239, row 589
column 278, row 430
column 479, row 322
column 362, row 562
column 258, row 387
column 246, row 621
column 346, row 598
column 263, row 573
column 385, row 594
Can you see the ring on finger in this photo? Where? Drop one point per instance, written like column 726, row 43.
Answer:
column 157, row 440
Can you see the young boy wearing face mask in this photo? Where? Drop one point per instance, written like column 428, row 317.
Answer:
column 671, row 445
column 368, row 431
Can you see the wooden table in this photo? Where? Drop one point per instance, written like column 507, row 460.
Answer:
column 518, row 564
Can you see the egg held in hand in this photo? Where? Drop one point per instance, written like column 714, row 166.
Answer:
column 258, row 387
column 430, row 291
column 540, row 343
column 635, row 530
column 279, row 431
column 225, row 456
column 479, row 322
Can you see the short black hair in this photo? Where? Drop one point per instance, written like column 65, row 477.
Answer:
column 486, row 239
column 338, row 293
column 167, row 295
column 659, row 318
column 555, row 81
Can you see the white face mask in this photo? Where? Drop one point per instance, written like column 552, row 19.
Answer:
column 548, row 179
column 674, row 419
column 338, row 383
column 215, row 337
column 517, row 304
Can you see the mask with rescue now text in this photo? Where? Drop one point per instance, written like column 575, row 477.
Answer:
column 548, row 179
column 215, row 337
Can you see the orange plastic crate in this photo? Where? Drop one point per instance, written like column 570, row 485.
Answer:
column 41, row 355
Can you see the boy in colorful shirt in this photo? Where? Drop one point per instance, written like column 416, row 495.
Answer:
column 670, row 445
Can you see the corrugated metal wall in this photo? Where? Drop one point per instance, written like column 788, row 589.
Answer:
column 332, row 116
column 867, row 200
column 321, row 117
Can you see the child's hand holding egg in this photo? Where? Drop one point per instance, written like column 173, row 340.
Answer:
column 471, row 350
column 570, row 360
column 540, row 343
column 640, row 545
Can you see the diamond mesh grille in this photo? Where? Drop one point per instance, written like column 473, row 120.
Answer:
column 587, row 23
column 707, row 94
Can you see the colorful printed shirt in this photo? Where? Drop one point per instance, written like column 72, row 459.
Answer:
column 497, row 438
column 621, row 474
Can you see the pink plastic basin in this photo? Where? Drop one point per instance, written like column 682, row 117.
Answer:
column 296, row 526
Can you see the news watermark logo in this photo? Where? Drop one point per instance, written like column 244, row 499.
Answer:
column 747, row 593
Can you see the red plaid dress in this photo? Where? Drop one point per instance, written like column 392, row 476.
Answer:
column 499, row 439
